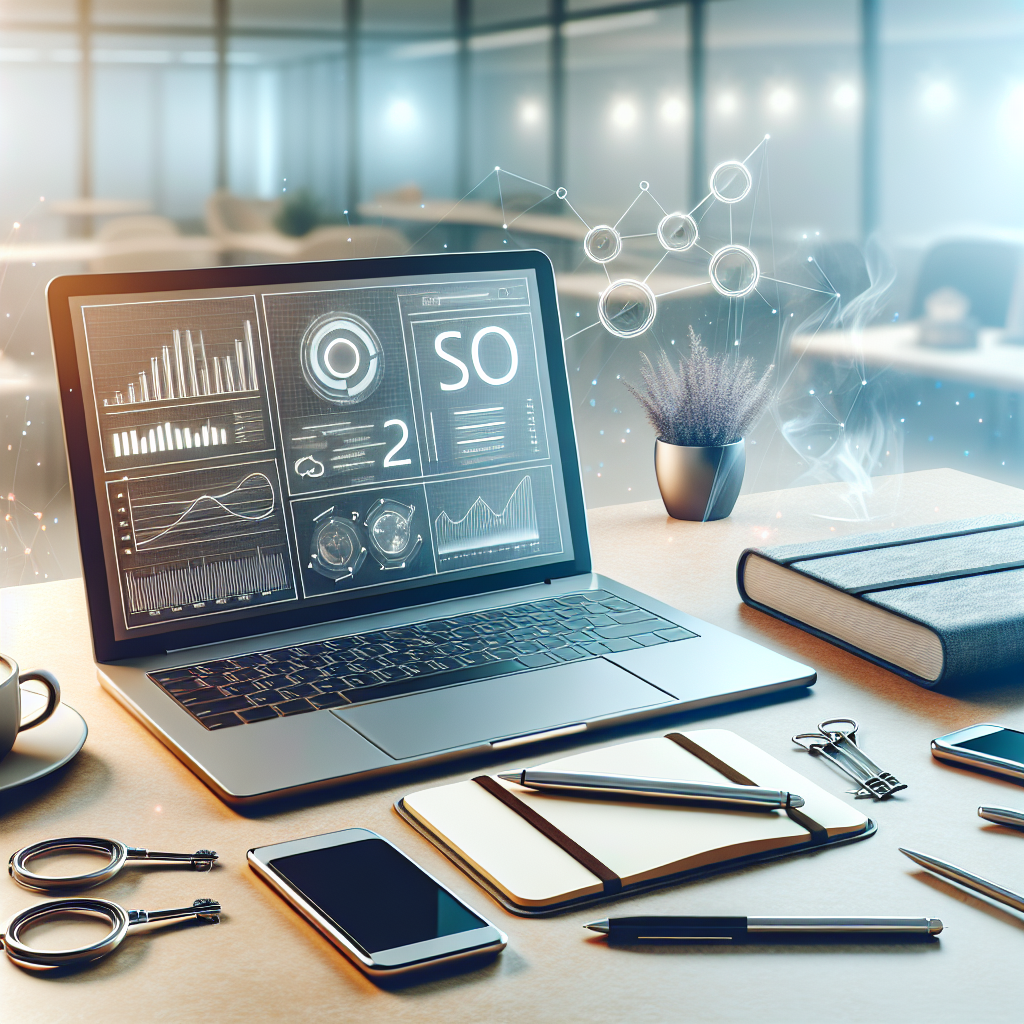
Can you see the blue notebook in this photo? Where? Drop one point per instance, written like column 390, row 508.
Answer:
column 940, row 604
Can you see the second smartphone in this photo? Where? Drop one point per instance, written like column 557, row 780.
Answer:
column 989, row 748
column 385, row 913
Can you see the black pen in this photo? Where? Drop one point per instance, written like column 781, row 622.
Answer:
column 636, row 930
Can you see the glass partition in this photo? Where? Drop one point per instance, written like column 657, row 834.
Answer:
column 881, row 235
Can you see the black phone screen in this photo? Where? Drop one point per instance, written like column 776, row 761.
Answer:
column 375, row 895
column 1007, row 743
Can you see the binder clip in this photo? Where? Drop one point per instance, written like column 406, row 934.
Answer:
column 836, row 742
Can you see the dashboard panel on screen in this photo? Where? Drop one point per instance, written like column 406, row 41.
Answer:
column 290, row 445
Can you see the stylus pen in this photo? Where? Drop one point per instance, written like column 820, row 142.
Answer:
column 966, row 879
column 746, row 798
column 629, row 930
column 1003, row 816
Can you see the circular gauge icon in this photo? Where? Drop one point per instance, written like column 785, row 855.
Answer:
column 392, row 542
column 337, row 550
column 342, row 358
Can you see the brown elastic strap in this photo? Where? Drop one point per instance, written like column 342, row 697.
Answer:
column 612, row 882
column 818, row 832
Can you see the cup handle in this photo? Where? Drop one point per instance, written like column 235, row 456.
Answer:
column 51, row 705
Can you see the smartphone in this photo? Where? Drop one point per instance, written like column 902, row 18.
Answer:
column 990, row 748
column 385, row 913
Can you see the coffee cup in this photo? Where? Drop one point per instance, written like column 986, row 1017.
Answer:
column 11, row 684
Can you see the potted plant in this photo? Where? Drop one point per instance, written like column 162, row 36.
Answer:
column 700, row 411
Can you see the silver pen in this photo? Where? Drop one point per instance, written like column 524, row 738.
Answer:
column 746, row 798
column 629, row 930
column 1003, row 816
column 966, row 879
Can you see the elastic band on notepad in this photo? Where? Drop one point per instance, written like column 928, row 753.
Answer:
column 854, row 548
column 611, row 881
column 818, row 832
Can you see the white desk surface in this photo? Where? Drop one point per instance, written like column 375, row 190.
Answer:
column 263, row 963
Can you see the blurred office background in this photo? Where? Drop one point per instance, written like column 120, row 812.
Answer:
column 188, row 133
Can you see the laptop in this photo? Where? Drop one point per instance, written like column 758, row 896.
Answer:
column 332, row 522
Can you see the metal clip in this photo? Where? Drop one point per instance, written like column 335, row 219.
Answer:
column 838, row 746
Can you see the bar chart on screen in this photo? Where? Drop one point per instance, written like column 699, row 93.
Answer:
column 200, row 540
column 178, row 381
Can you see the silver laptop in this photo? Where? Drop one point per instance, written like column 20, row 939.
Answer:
column 332, row 523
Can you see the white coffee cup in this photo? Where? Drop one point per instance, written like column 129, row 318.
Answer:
column 11, row 721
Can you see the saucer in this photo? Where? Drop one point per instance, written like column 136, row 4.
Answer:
column 44, row 749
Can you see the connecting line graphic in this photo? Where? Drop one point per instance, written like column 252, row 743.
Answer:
column 815, row 315
column 564, row 196
column 685, row 288
column 817, row 266
column 832, row 294
column 501, row 200
column 627, row 305
column 630, row 207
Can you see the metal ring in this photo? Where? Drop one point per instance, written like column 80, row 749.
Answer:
column 819, row 741
column 50, row 959
column 822, row 726
column 19, row 871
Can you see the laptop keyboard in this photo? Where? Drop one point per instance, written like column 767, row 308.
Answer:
column 424, row 656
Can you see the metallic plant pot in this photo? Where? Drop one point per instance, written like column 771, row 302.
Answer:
column 699, row 483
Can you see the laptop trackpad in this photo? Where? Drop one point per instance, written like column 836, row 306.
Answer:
column 474, row 713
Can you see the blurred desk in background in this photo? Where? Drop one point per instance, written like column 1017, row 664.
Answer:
column 474, row 213
column 264, row 963
column 82, row 212
column 992, row 364
column 172, row 249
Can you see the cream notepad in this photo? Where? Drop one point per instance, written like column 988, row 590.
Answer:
column 640, row 843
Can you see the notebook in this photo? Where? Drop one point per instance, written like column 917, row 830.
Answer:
column 937, row 604
column 539, row 853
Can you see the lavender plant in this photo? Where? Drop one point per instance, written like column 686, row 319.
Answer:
column 706, row 400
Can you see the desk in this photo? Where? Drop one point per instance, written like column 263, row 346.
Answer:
column 264, row 963
column 83, row 210
column 474, row 213
column 992, row 364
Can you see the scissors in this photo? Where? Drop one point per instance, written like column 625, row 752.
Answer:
column 117, row 852
column 836, row 741
column 120, row 920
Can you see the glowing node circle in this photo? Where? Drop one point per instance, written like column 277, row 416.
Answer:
column 678, row 232
column 645, row 186
column 561, row 193
column 627, row 308
column 602, row 243
column 734, row 271
column 730, row 182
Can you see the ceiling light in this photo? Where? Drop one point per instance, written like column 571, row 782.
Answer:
column 401, row 114
column 529, row 112
column 781, row 100
column 845, row 96
column 937, row 97
column 623, row 113
column 672, row 110
column 727, row 103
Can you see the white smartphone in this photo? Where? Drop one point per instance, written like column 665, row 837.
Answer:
column 385, row 913
column 988, row 748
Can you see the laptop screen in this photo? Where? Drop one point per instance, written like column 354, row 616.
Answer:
column 277, row 447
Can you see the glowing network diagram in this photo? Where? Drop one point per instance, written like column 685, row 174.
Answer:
column 627, row 306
